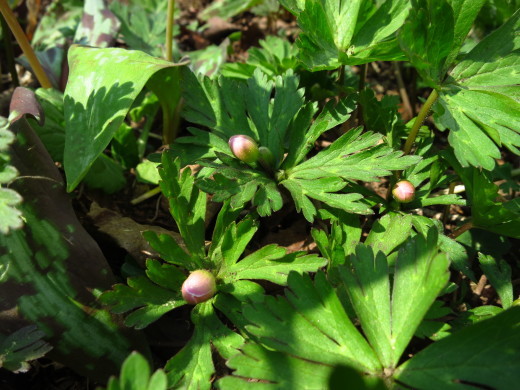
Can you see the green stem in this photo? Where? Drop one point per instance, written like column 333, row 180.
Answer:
column 169, row 29
column 9, row 52
column 22, row 40
column 425, row 110
column 146, row 195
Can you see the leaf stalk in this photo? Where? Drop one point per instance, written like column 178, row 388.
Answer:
column 425, row 110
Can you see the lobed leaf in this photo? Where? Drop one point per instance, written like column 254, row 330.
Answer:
column 310, row 324
column 462, row 359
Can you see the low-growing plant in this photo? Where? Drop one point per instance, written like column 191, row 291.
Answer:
column 407, row 273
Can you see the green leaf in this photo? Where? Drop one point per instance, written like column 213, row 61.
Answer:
column 310, row 324
column 481, row 104
column 192, row 367
column 427, row 38
column 499, row 275
column 390, row 320
column 494, row 63
column 102, row 85
column 323, row 190
column 235, row 240
column 303, row 135
column 230, row 107
column 462, row 360
column 273, row 263
column 339, row 33
column 22, row 346
column 353, row 156
column 187, row 203
column 389, row 232
column 479, row 120
column 487, row 212
column 171, row 250
column 151, row 296
column 275, row 57
column 147, row 172
column 464, row 13
column 135, row 375
column 105, row 174
column 143, row 24
column 259, row 368
column 240, row 184
column 10, row 216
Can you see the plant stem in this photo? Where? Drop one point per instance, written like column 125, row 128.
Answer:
column 146, row 195
column 362, row 80
column 425, row 110
column 402, row 89
column 462, row 229
column 169, row 29
column 9, row 52
column 447, row 207
column 22, row 40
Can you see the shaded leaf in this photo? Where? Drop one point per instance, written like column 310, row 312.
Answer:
column 463, row 359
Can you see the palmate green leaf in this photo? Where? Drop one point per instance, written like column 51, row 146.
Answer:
column 239, row 183
column 230, row 107
column 389, row 319
column 353, row 156
column 135, row 375
column 22, row 346
column 323, row 190
column 433, row 34
column 303, row 134
column 275, row 57
column 485, row 355
column 498, row 273
column 259, row 368
column 187, row 203
column 272, row 263
column 339, row 33
column 192, row 367
column 103, row 83
column 150, row 297
column 481, row 105
column 310, row 324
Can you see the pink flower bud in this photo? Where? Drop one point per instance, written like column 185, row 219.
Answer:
column 244, row 148
column 403, row 191
column 199, row 287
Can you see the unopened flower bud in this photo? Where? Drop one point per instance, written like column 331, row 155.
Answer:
column 244, row 148
column 403, row 191
column 199, row 287
column 266, row 158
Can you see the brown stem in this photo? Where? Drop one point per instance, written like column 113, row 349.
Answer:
column 22, row 40
column 462, row 229
column 402, row 90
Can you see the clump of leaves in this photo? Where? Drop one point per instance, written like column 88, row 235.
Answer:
column 158, row 291
column 284, row 125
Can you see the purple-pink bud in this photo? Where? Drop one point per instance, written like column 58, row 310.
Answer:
column 244, row 148
column 199, row 287
column 403, row 191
